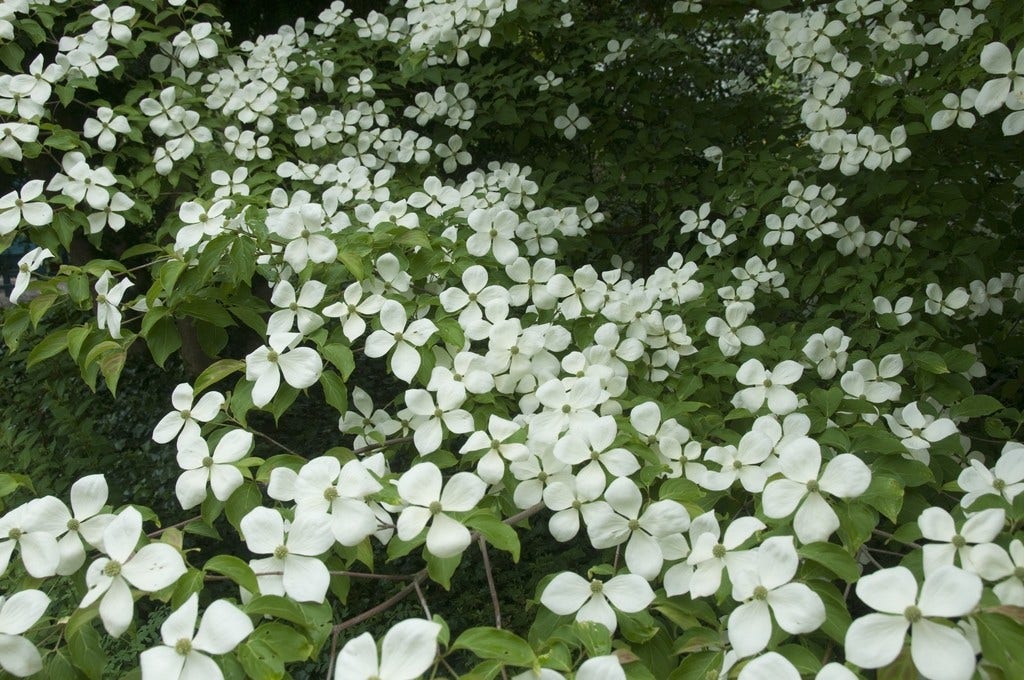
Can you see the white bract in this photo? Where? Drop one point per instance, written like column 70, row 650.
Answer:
column 421, row 488
column 570, row 593
column 18, row 613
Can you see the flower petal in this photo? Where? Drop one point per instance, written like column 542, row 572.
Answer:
column 408, row 649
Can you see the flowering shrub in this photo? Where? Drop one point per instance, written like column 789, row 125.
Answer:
column 726, row 292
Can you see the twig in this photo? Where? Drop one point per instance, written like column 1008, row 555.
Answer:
column 490, row 582
column 333, row 658
column 268, row 438
column 891, row 537
column 179, row 525
column 384, row 444
column 383, row 606
column 423, row 601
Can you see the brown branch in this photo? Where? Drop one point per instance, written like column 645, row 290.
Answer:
column 490, row 582
column 383, row 606
column 384, row 444
column 179, row 525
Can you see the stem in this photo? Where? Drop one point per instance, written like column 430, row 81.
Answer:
column 174, row 526
column 423, row 601
column 886, row 534
column 490, row 582
column 384, row 444
column 333, row 658
column 383, row 606
column 268, row 438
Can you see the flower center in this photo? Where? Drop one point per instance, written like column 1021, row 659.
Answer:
column 183, row 646
column 112, row 569
column 330, row 493
column 435, row 508
column 273, row 356
column 596, row 586
column 73, row 524
column 998, row 484
column 542, row 476
column 958, row 541
column 15, row 533
column 1019, row 573
column 812, row 486
column 101, row 299
column 398, row 336
column 718, row 551
column 634, row 524
column 566, row 408
column 208, row 462
column 186, row 414
column 760, row 593
column 281, row 552
column 912, row 614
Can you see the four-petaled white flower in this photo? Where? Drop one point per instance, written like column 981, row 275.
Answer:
column 300, row 366
column 108, row 301
column 29, row 262
column 200, row 467
column 937, row 525
column 84, row 522
column 394, row 334
column 420, row 487
column 1006, row 478
column 761, row 579
column 223, row 626
column 188, row 414
column 24, row 206
column 18, row 613
column 997, row 60
column 572, row 121
column 845, row 476
column 570, row 593
column 292, row 568
column 407, row 652
column 151, row 568
column 939, row 652
column 701, row 574
column 772, row 386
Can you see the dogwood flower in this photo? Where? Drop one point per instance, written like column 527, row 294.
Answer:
column 701, row 574
column 592, row 445
column 109, row 579
column 828, row 351
column 33, row 528
column 994, row 563
column 185, row 420
column 30, row 261
column 293, row 568
column 404, row 339
column 901, row 309
column 300, row 366
column 1006, row 478
column 745, row 462
column 18, row 613
column 939, row 652
column 845, row 476
column 731, row 333
column 407, row 652
column 296, row 309
column 937, row 524
column 570, row 593
column 572, row 122
column 617, row 520
column 351, row 309
column 84, row 522
column 491, row 466
column 421, row 488
column 761, row 579
column 108, row 301
column 201, row 468
column 24, row 206
column 997, row 60
column 222, row 627
column 772, row 386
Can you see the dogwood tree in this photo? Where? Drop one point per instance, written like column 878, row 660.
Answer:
column 616, row 257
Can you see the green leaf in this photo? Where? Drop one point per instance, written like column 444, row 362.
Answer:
column 856, row 522
column 495, row 643
column 450, row 331
column 244, row 499
column 596, row 638
column 353, row 263
column 163, row 340
column 699, row 666
column 976, row 406
column 86, row 652
column 335, row 391
column 1002, row 639
column 235, row 569
column 931, row 362
column 51, row 345
column 837, row 618
column 834, row 558
column 111, row 366
column 216, row 372
column 900, row 669
column 441, row 569
column 341, row 357
column 39, row 305
column 288, row 644
column 58, row 667
column 495, row 532
column 885, row 494
column 416, row 238
column 260, row 661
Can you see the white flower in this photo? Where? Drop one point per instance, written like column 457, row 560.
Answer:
column 394, row 334
column 901, row 309
column 592, row 445
column 105, row 125
column 200, row 467
column 772, row 386
column 731, row 333
column 761, row 579
column 420, row 486
column 352, row 307
column 223, row 626
column 33, row 528
column 937, row 525
column 993, row 563
column 828, row 351
column 407, row 652
column 108, row 301
column 997, row 60
column 1006, row 478
column 18, row 613
column 871, row 382
column 186, row 418
column 427, row 425
column 618, row 518
column 16, row 207
column 151, row 568
column 29, row 262
column 701, row 574
column 292, row 568
column 570, row 593
column 491, row 466
column 939, row 652
column 301, row 367
column 88, row 496
column 296, row 309
column 845, row 476
column 195, row 43
column 745, row 462
column 917, row 432
column 572, row 121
